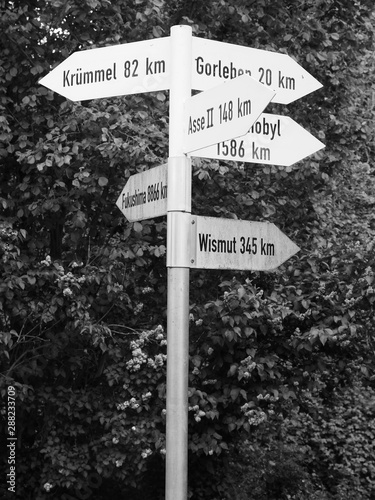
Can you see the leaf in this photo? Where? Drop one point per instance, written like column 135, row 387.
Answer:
column 232, row 370
column 234, row 393
column 157, row 31
column 102, row 181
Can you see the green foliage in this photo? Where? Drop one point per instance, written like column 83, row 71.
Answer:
column 281, row 363
column 339, row 437
column 122, row 406
column 270, row 469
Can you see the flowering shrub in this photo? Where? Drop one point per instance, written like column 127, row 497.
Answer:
column 124, row 409
column 73, row 371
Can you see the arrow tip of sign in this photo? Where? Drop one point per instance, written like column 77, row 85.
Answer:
column 47, row 81
column 42, row 80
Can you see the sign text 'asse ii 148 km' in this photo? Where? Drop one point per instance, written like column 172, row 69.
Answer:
column 225, row 111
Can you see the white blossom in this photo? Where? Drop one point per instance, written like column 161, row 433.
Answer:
column 47, row 486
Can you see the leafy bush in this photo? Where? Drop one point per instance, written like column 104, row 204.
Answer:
column 82, row 291
column 268, row 469
column 340, row 436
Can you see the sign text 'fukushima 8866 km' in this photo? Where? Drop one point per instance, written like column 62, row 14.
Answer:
column 145, row 195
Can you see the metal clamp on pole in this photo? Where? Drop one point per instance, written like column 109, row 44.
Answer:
column 179, row 176
column 178, row 239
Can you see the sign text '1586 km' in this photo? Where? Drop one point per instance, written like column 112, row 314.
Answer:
column 273, row 139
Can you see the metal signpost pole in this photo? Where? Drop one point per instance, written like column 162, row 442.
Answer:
column 178, row 227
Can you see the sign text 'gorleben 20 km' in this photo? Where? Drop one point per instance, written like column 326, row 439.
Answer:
column 214, row 62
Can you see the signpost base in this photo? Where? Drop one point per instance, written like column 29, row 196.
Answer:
column 177, row 384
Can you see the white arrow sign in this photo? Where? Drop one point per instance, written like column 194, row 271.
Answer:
column 224, row 112
column 214, row 62
column 236, row 244
column 145, row 195
column 129, row 68
column 272, row 140
column 143, row 66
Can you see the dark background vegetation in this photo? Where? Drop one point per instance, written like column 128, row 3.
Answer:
column 282, row 388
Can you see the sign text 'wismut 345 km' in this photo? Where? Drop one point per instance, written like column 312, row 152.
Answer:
column 238, row 244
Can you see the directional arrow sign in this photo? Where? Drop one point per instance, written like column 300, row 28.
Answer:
column 236, row 244
column 224, row 112
column 124, row 69
column 213, row 62
column 145, row 195
column 273, row 140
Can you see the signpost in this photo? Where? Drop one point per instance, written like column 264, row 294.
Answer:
column 145, row 195
column 224, row 112
column 179, row 210
column 272, row 140
column 235, row 81
column 129, row 68
column 214, row 62
column 237, row 244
